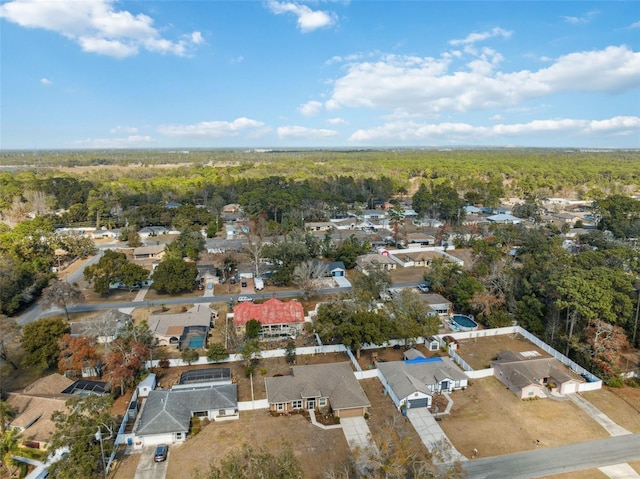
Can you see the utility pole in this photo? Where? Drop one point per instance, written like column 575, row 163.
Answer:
column 635, row 324
column 104, row 465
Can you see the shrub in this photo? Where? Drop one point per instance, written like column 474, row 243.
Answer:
column 633, row 382
column 366, row 415
column 615, row 382
column 248, row 370
column 163, row 363
column 263, row 371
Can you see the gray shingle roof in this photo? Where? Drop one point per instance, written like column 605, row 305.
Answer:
column 406, row 378
column 523, row 372
column 170, row 411
column 335, row 381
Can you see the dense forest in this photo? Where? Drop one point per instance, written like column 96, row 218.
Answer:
column 583, row 301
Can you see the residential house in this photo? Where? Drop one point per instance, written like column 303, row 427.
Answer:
column 104, row 328
column 326, row 387
column 422, row 239
column 106, row 234
column 504, row 218
column 417, row 259
column 370, row 261
column 34, row 406
column 150, row 231
column 472, row 210
column 183, row 330
column 277, row 318
column 149, row 252
column 165, row 417
column 318, row 226
column 441, row 305
column 344, row 223
column 528, row 375
column 412, row 383
column 332, row 268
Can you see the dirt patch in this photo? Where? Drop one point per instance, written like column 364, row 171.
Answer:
column 368, row 357
column 316, row 449
column 124, row 466
column 489, row 417
column 479, row 352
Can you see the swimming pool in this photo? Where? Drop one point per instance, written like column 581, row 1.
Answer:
column 196, row 342
column 462, row 322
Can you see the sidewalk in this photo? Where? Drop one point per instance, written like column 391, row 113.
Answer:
column 139, row 298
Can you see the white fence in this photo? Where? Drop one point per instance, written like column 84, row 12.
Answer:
column 592, row 382
column 269, row 353
column 253, row 405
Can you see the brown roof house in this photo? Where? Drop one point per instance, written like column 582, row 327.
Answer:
column 367, row 262
column 278, row 318
column 325, row 387
column 35, row 405
column 528, row 375
column 183, row 330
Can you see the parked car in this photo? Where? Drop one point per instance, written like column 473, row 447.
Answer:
column 161, row 453
column 244, row 299
column 423, row 287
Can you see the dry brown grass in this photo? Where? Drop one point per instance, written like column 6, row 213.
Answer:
column 622, row 405
column 316, row 449
column 479, row 352
column 489, row 417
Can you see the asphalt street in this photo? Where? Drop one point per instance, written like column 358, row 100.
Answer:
column 556, row 460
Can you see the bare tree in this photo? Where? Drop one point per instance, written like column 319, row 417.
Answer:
column 61, row 294
column 255, row 241
column 306, row 276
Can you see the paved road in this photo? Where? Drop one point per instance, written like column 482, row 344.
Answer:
column 556, row 460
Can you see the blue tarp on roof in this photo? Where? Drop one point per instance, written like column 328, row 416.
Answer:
column 424, row 360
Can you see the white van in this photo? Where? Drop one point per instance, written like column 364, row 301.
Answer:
column 258, row 283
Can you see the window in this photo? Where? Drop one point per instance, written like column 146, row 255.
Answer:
column 322, row 402
column 296, row 404
column 280, row 407
column 222, row 412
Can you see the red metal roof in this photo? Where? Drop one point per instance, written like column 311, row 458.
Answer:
column 273, row 311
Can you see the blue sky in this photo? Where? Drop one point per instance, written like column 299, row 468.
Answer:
column 148, row 74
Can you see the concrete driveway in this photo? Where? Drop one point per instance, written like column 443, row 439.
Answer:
column 147, row 468
column 357, row 433
column 432, row 435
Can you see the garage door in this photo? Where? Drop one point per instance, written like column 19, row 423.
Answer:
column 415, row 403
column 355, row 412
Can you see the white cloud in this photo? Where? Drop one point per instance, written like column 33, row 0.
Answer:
column 413, row 132
column 478, row 37
column 96, row 26
column 303, row 133
column 308, row 20
column 216, row 129
column 337, row 121
column 496, row 117
column 634, row 25
column 236, row 60
column 46, row 81
column 132, row 141
column 586, row 18
column 123, row 129
column 310, row 108
column 426, row 86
